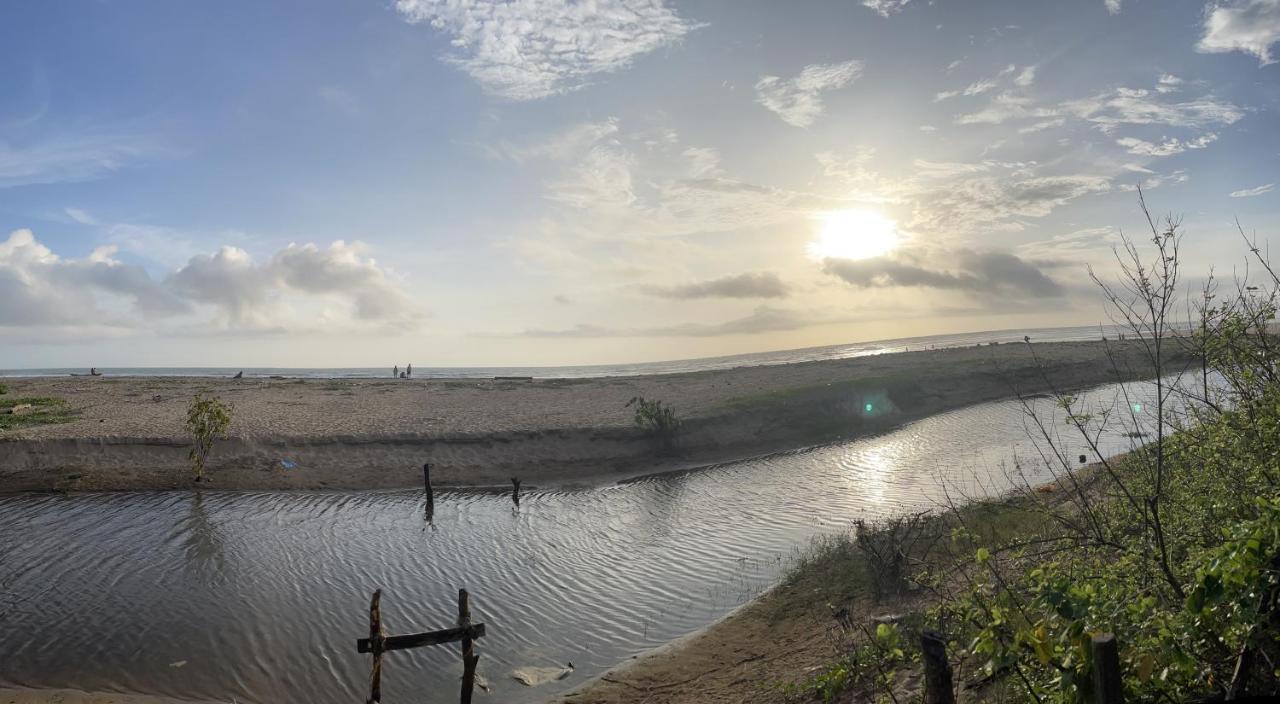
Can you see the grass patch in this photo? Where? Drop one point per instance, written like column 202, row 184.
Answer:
column 45, row 410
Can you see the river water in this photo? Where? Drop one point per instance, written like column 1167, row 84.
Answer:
column 259, row 597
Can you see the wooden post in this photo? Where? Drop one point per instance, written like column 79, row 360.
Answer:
column 375, row 646
column 469, row 657
column 431, row 495
column 937, row 671
column 515, row 490
column 1107, row 688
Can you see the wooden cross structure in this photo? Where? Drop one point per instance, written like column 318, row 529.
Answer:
column 379, row 642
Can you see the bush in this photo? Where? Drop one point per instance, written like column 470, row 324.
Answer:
column 656, row 419
column 207, row 420
column 3, row 389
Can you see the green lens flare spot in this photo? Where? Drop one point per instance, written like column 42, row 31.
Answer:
column 1137, row 408
column 867, row 408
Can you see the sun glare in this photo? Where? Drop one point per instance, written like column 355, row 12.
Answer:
column 854, row 234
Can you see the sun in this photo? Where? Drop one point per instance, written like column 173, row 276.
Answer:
column 853, row 234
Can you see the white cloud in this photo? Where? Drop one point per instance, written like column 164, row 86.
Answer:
column 530, row 49
column 1168, row 83
column 1250, row 26
column 1113, row 6
column 1250, row 192
column 886, row 7
column 296, row 289
column 1173, row 177
column 1130, row 106
column 1043, row 125
column 1168, row 147
column 39, row 288
column 69, row 158
column 1003, row 107
column 976, row 88
column 798, row 101
column 1026, row 78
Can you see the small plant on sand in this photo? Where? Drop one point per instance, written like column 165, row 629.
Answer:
column 207, row 420
column 657, row 419
column 3, row 389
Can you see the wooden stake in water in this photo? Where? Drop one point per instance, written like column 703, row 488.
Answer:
column 469, row 657
column 431, row 495
column 376, row 642
column 515, row 490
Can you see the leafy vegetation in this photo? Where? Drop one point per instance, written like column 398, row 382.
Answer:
column 1174, row 548
column 3, row 389
column 657, row 420
column 30, row 411
column 207, row 419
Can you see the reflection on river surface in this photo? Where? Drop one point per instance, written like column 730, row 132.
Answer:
column 260, row 596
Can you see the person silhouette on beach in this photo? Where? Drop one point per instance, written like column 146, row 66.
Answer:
column 395, row 372
column 408, row 371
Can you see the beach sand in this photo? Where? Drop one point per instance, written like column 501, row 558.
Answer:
column 374, row 433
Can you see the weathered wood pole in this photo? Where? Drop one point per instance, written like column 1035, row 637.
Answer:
column 515, row 490
column 1107, row 688
column 937, row 671
column 431, row 495
column 469, row 657
column 376, row 639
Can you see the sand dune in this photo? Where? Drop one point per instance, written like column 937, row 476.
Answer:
column 353, row 434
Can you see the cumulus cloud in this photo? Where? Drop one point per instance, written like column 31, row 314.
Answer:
column 798, row 101
column 1251, row 192
column 530, row 49
column 1113, row 6
column 983, row 273
column 248, row 295
column 748, row 285
column 886, row 7
column 40, row 289
column 1250, row 26
column 1168, row 147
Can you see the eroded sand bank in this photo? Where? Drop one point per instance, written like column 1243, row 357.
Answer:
column 357, row 434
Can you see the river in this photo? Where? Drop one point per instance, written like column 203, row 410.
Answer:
column 259, row 597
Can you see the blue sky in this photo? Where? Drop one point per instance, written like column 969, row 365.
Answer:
column 354, row 183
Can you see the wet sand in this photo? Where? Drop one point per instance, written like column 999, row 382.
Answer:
column 372, row 434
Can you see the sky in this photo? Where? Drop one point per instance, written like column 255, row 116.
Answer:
column 537, row 182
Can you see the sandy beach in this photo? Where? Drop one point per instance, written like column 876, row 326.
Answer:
column 127, row 433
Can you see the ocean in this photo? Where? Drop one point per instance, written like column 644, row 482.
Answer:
column 808, row 354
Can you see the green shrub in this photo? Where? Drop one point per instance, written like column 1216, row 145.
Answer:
column 207, row 420
column 656, row 419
